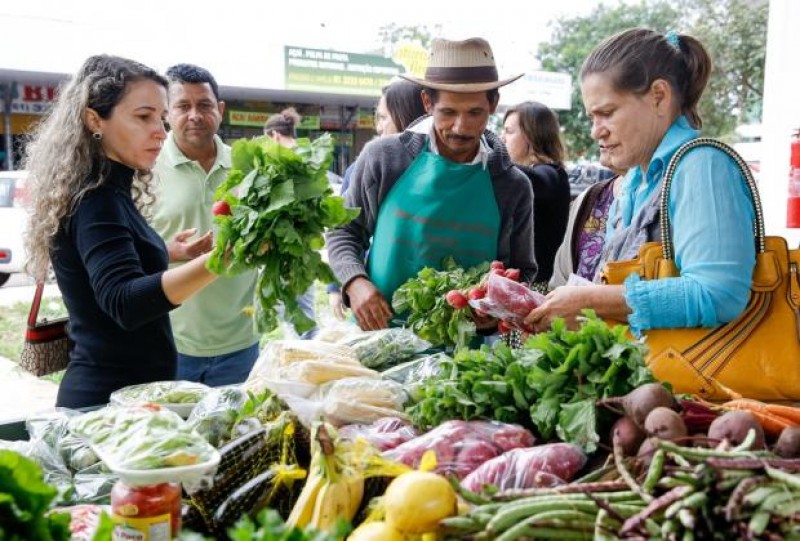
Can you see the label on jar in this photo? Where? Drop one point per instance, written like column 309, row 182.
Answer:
column 156, row 528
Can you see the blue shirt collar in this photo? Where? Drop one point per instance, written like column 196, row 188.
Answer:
column 677, row 134
column 633, row 194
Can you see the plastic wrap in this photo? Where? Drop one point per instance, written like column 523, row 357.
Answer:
column 384, row 434
column 360, row 400
column 67, row 461
column 461, row 446
column 179, row 396
column 412, row 373
column 546, row 465
column 337, row 331
column 295, row 367
column 508, row 301
column 214, row 416
column 147, row 445
column 386, row 347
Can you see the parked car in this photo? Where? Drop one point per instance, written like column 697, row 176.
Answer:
column 13, row 218
column 583, row 175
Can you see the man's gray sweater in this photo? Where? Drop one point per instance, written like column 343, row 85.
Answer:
column 383, row 162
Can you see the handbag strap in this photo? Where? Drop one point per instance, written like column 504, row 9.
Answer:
column 666, row 235
column 33, row 315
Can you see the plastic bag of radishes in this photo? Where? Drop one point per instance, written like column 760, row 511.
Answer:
column 461, row 446
column 542, row 466
column 384, row 434
column 508, row 301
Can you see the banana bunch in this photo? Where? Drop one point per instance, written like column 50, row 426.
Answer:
column 333, row 489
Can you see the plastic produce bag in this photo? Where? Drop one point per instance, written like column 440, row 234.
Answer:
column 461, row 446
column 214, row 416
column 411, row 374
column 147, row 445
column 546, row 465
column 508, row 301
column 384, row 434
column 361, row 400
column 179, row 396
column 337, row 331
column 386, row 347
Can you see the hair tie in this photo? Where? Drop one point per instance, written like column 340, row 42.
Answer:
column 673, row 39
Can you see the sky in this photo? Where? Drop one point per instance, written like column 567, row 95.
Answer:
column 234, row 38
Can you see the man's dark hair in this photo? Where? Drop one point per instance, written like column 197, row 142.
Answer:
column 189, row 73
column 492, row 95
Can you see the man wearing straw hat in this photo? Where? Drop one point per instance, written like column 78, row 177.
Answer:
column 444, row 187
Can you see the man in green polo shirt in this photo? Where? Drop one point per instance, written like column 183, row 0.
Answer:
column 214, row 336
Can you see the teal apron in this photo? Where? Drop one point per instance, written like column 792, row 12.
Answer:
column 437, row 209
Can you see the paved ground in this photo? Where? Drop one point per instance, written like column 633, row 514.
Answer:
column 21, row 393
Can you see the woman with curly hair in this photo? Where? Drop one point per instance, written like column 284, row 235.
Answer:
column 89, row 183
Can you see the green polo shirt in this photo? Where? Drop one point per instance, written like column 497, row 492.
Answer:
column 210, row 322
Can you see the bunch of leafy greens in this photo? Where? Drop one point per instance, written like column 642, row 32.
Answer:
column 429, row 314
column 281, row 204
column 268, row 526
column 24, row 501
column 551, row 384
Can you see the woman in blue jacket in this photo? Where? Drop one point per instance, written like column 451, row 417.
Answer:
column 641, row 91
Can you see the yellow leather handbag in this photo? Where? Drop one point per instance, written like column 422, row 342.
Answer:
column 757, row 355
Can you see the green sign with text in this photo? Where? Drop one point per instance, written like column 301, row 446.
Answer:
column 321, row 70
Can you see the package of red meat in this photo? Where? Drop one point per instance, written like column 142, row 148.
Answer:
column 543, row 466
column 461, row 446
column 384, row 434
column 508, row 301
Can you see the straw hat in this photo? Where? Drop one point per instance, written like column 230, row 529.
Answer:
column 461, row 66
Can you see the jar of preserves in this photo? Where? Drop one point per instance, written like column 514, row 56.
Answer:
column 146, row 513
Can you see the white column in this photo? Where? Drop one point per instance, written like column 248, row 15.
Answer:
column 781, row 113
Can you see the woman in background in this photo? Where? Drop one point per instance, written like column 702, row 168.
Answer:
column 533, row 138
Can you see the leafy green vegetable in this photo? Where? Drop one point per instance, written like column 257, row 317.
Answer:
column 277, row 221
column 429, row 314
column 552, row 383
column 24, row 501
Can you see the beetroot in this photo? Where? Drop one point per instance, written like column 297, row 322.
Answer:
column 733, row 426
column 665, row 424
column 641, row 401
column 788, row 444
column 628, row 435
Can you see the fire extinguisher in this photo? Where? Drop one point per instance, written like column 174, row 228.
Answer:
column 793, row 205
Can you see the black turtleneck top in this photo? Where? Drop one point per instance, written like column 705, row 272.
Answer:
column 108, row 263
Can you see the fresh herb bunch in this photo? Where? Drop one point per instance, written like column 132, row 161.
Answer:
column 280, row 206
column 552, row 383
column 429, row 314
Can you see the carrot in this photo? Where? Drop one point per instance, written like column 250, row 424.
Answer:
column 769, row 416
column 788, row 412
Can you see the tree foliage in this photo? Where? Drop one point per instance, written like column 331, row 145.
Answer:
column 391, row 34
column 734, row 32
